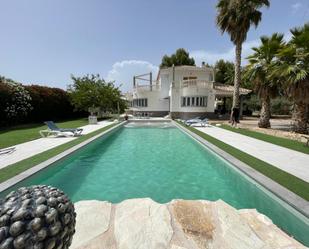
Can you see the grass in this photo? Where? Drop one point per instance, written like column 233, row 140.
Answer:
column 24, row 133
column 285, row 179
column 14, row 169
column 284, row 142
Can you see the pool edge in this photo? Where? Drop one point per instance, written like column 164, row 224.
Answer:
column 295, row 201
column 35, row 169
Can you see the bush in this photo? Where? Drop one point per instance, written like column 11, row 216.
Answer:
column 281, row 106
column 253, row 103
column 50, row 104
column 14, row 102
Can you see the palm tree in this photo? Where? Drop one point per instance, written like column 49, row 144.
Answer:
column 235, row 17
column 293, row 67
column 260, row 64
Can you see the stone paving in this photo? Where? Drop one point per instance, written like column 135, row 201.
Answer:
column 291, row 161
column 179, row 224
column 31, row 148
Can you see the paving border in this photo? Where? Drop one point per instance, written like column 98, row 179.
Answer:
column 35, row 169
column 295, row 201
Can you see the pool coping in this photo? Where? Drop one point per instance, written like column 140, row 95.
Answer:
column 300, row 204
column 297, row 202
column 35, row 169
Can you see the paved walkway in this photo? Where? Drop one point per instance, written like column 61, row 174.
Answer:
column 291, row 161
column 31, row 148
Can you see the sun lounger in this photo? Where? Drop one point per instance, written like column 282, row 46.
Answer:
column 7, row 150
column 197, row 121
column 54, row 130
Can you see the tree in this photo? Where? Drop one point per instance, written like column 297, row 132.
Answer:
column 14, row 101
column 235, row 17
column 260, row 64
column 224, row 72
column 181, row 57
column 292, row 66
column 93, row 94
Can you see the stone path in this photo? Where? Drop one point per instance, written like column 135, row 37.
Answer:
column 31, row 148
column 291, row 161
column 179, row 224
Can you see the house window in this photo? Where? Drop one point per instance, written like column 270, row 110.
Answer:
column 200, row 101
column 190, row 78
column 183, row 101
column 140, row 103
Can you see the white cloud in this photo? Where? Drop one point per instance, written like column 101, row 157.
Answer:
column 211, row 57
column 122, row 72
column 295, row 7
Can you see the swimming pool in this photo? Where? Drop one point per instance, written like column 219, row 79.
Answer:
column 162, row 163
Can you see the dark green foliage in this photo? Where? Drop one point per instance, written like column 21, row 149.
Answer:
column 281, row 106
column 50, row 104
column 14, row 102
column 224, row 72
column 253, row 103
column 92, row 93
column 180, row 58
column 260, row 64
column 236, row 16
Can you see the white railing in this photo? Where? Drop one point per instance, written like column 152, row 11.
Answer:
column 196, row 83
column 143, row 88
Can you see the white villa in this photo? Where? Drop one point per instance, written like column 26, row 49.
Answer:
column 181, row 92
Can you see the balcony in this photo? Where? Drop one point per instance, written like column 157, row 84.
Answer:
column 147, row 88
column 196, row 83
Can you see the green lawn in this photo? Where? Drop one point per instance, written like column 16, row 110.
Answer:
column 14, row 169
column 287, row 180
column 284, row 142
column 24, row 133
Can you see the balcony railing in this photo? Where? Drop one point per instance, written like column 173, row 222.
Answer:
column 196, row 83
column 144, row 88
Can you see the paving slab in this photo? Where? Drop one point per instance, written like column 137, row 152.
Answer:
column 291, row 161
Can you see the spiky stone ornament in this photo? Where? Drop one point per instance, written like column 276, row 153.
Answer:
column 37, row 217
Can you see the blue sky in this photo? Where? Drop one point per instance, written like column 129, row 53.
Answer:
column 45, row 41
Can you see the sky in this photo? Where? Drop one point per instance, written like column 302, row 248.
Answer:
column 46, row 41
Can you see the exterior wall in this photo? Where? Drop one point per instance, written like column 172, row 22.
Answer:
column 166, row 96
column 177, row 91
column 155, row 99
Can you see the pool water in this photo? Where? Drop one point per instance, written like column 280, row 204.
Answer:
column 163, row 164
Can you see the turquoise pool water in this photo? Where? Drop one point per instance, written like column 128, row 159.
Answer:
column 164, row 164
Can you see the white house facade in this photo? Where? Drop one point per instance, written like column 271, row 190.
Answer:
column 180, row 91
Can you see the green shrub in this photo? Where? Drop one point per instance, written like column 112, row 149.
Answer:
column 281, row 106
column 14, row 102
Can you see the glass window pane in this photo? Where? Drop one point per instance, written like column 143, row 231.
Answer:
column 192, row 101
column 146, row 102
column 188, row 101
